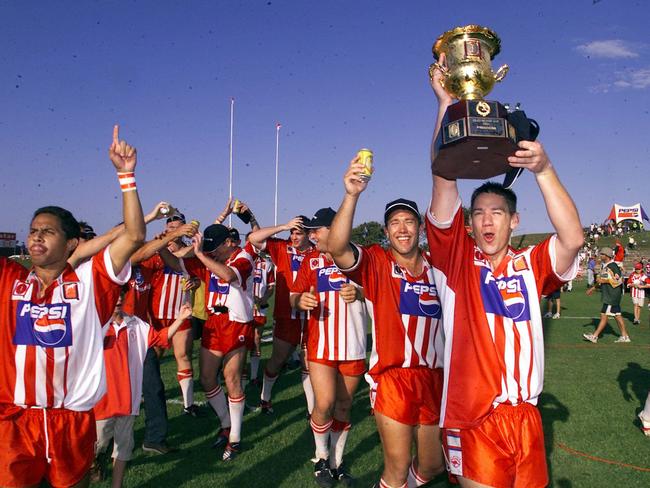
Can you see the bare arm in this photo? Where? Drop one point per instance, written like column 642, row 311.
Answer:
column 444, row 193
column 559, row 205
column 183, row 314
column 124, row 158
column 221, row 270
column 258, row 238
column 338, row 241
column 152, row 247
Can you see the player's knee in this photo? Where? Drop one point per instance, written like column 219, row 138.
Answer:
column 325, row 407
column 208, row 381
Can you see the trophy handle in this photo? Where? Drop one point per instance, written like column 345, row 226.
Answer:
column 501, row 73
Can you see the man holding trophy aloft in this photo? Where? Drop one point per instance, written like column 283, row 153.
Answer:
column 494, row 350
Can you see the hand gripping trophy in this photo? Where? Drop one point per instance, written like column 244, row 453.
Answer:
column 476, row 135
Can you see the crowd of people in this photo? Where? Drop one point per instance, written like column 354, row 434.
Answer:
column 455, row 367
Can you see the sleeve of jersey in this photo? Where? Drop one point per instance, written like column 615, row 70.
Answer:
column 194, row 267
column 274, row 247
column 243, row 267
column 363, row 271
column 303, row 278
column 158, row 338
column 270, row 277
column 546, row 274
column 250, row 249
column 107, row 284
column 448, row 241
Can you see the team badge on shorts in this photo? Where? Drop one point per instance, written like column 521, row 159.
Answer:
column 241, row 338
column 454, row 453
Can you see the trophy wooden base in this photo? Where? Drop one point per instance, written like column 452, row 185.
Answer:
column 474, row 142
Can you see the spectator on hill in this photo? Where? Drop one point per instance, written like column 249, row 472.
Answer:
column 555, row 296
column 591, row 271
column 637, row 282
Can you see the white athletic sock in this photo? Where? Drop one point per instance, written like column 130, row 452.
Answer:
column 645, row 413
column 338, row 438
column 414, row 479
column 186, row 382
column 255, row 365
column 217, row 401
column 267, row 386
column 236, row 406
column 321, row 438
column 309, row 391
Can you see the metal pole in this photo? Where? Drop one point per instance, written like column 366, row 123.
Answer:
column 277, row 162
column 232, row 114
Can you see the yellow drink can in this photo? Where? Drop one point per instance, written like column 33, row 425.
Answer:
column 365, row 158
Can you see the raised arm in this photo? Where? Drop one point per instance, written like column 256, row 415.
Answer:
column 258, row 237
column 124, row 158
column 559, row 205
column 223, row 271
column 88, row 249
column 338, row 241
column 152, row 247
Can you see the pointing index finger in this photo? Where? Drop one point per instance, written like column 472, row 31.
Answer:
column 116, row 133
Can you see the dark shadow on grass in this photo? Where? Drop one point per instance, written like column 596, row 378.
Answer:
column 634, row 382
column 552, row 410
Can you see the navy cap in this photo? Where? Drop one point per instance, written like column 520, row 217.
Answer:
column 214, row 235
column 322, row 218
column 401, row 204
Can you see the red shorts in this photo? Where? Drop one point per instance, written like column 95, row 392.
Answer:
column 259, row 321
column 223, row 335
column 506, row 450
column 409, row 395
column 290, row 330
column 355, row 367
column 160, row 324
column 25, row 445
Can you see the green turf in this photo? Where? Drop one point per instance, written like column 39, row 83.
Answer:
column 591, row 397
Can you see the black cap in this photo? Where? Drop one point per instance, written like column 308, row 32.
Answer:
column 322, row 218
column 401, row 204
column 214, row 235
column 177, row 216
column 87, row 232
column 234, row 234
column 304, row 221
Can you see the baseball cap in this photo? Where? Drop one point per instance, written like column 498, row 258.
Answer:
column 87, row 232
column 638, row 266
column 322, row 218
column 607, row 251
column 304, row 220
column 214, row 235
column 234, row 234
column 401, row 204
column 176, row 217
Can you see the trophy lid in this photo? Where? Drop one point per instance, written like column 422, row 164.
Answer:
column 472, row 30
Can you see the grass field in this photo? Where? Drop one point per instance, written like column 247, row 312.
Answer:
column 589, row 405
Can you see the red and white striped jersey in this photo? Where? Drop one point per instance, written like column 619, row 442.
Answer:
column 337, row 330
column 494, row 343
column 637, row 279
column 136, row 300
column 167, row 292
column 405, row 311
column 263, row 279
column 125, row 347
column 51, row 346
column 237, row 295
column 286, row 259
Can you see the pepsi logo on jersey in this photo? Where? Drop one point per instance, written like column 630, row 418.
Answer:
column 331, row 279
column 419, row 299
column 505, row 296
column 45, row 325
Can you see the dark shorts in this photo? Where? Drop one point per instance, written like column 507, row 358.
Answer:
column 611, row 310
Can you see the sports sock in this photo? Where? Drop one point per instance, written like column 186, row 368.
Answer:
column 309, row 391
column 338, row 438
column 383, row 484
column 186, row 382
column 645, row 413
column 414, row 479
column 217, row 401
column 321, row 438
column 236, row 407
column 267, row 386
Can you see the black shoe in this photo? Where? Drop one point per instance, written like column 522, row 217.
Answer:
column 265, row 407
column 341, row 475
column 323, row 474
column 193, row 410
column 161, row 448
column 232, row 451
column 222, row 438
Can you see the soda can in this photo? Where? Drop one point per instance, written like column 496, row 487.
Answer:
column 365, row 158
column 236, row 206
column 196, row 223
column 164, row 210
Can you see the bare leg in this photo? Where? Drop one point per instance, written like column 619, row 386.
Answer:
column 396, row 440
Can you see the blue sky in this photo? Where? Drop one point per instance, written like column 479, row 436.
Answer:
column 338, row 75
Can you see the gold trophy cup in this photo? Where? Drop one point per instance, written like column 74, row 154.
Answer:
column 475, row 137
